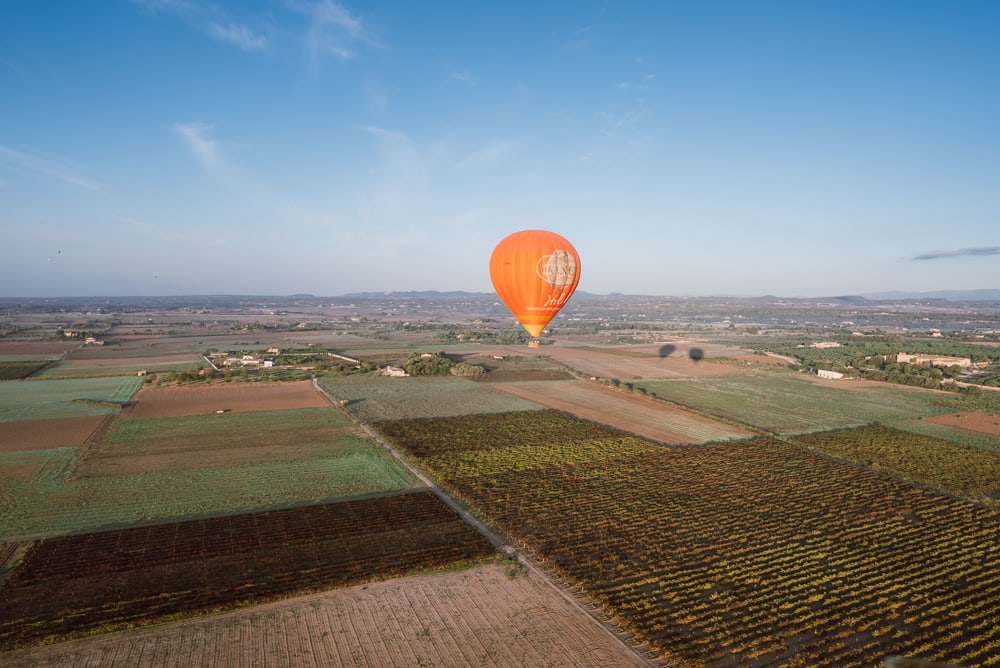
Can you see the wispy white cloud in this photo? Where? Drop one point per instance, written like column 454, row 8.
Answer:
column 976, row 250
column 237, row 34
column 206, row 149
column 399, row 151
column 388, row 135
column 211, row 20
column 181, row 7
column 48, row 168
column 334, row 31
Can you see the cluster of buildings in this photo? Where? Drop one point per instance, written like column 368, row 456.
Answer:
column 220, row 360
column 933, row 360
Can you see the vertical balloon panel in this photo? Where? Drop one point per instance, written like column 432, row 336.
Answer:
column 534, row 272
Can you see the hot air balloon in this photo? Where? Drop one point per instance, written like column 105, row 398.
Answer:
column 534, row 273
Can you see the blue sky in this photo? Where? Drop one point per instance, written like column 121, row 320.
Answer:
column 805, row 148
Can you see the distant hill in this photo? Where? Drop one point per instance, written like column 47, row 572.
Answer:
column 418, row 294
column 987, row 295
column 950, row 295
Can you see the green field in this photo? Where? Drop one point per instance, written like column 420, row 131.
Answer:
column 792, row 405
column 50, row 399
column 378, row 398
column 200, row 431
column 67, row 370
column 18, row 370
column 57, row 504
column 157, row 469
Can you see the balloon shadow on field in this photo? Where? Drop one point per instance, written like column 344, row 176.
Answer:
column 668, row 349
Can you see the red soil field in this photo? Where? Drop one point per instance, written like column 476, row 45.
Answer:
column 44, row 434
column 234, row 396
column 981, row 422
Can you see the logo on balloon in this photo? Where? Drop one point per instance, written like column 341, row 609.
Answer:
column 557, row 269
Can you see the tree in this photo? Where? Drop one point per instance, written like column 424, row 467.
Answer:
column 425, row 364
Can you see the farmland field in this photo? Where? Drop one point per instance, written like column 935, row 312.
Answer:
column 42, row 434
column 39, row 350
column 72, row 367
column 639, row 415
column 748, row 553
column 941, row 464
column 935, row 429
column 168, row 468
column 71, row 585
column 18, row 370
column 50, row 399
column 375, row 398
column 476, row 617
column 789, row 405
column 633, row 362
column 235, row 397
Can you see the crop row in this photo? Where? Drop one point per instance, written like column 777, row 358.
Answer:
column 69, row 585
column 927, row 460
column 752, row 553
column 16, row 370
column 427, row 437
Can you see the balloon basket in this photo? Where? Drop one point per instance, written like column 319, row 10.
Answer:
column 533, row 343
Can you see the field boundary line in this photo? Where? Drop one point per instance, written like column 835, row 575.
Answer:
column 92, row 444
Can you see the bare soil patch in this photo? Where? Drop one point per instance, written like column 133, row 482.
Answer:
column 480, row 617
column 36, row 347
column 984, row 423
column 636, row 414
column 44, row 434
column 236, row 397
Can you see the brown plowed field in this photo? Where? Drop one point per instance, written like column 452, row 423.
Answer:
column 981, row 422
column 44, row 434
column 639, row 415
column 236, row 397
column 37, row 347
column 476, row 617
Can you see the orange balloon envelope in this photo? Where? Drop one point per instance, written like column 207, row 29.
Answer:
column 534, row 273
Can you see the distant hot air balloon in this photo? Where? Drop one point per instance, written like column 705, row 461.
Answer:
column 534, row 273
